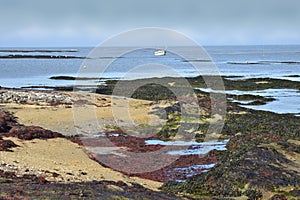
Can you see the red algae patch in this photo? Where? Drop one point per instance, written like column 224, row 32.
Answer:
column 61, row 160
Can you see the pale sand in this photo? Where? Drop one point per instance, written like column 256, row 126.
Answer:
column 262, row 82
column 88, row 118
column 69, row 160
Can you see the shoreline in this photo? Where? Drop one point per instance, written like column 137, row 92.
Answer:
column 254, row 93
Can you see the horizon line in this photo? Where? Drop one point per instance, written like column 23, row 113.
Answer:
column 90, row 46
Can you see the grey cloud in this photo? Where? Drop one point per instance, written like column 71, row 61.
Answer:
column 84, row 19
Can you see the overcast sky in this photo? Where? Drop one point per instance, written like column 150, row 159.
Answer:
column 89, row 22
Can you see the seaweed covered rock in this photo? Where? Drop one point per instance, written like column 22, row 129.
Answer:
column 6, row 145
column 246, row 170
column 284, row 126
column 36, row 187
column 6, row 121
column 278, row 197
column 32, row 132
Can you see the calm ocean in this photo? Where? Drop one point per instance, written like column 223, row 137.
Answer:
column 21, row 67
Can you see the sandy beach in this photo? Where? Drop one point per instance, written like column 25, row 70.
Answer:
column 88, row 107
column 60, row 159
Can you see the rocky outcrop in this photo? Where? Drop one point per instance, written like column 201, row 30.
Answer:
column 6, row 121
column 32, row 132
column 36, row 187
column 6, row 145
column 33, row 97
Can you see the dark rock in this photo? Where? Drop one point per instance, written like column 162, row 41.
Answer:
column 32, row 132
column 253, row 194
column 62, row 78
column 6, row 121
column 54, row 174
column 278, row 197
column 6, row 145
column 72, row 78
column 42, row 180
column 34, row 187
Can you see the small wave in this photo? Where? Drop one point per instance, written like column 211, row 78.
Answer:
column 243, row 63
column 109, row 57
column 195, row 60
column 288, row 62
column 263, row 62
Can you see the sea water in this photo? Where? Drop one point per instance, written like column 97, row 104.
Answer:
column 23, row 67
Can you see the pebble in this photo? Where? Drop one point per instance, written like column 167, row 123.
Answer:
column 30, row 97
column 115, row 188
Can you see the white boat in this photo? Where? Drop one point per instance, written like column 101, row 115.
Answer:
column 160, row 52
